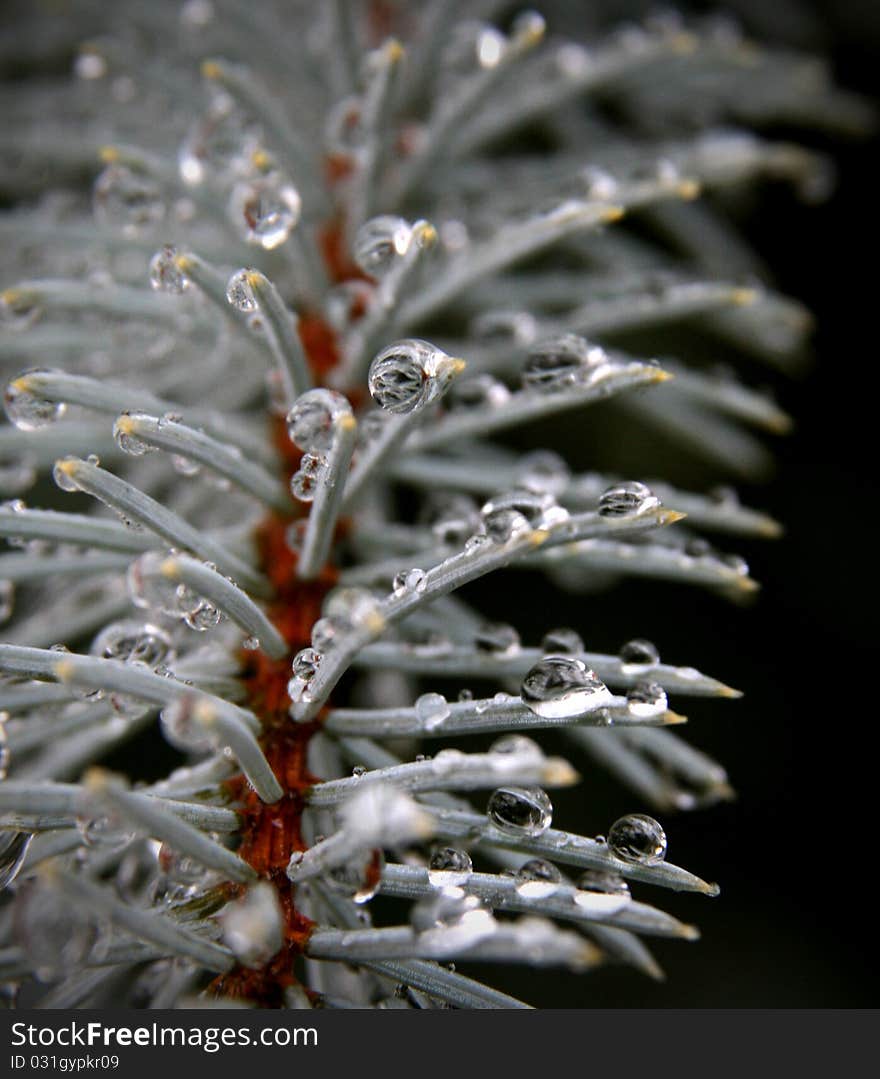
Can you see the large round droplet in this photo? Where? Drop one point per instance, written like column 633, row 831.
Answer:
column 380, row 242
column 627, row 500
column 637, row 838
column 311, row 421
column 520, row 810
column 559, row 362
column 265, row 211
column 404, row 376
column 26, row 408
column 449, row 865
column 559, row 687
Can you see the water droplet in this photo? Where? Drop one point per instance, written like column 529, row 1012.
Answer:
column 646, row 699
column 600, row 880
column 304, row 668
column 58, row 936
column 324, row 634
column 598, row 183
column 517, row 745
column 126, row 441
column 131, row 641
column 311, row 421
column 358, row 771
column 559, row 362
column 533, row 505
column 62, row 479
column 481, row 391
column 451, row 517
column 13, row 850
column 217, row 146
column 26, row 408
column 452, row 906
column 626, row 500
column 239, row 293
column 497, row 639
column 107, row 832
column 165, row 273
column 18, row 311
column 379, row 243
column 520, row 810
column 639, row 652
column 266, row 210
column 179, row 724
column 537, row 879
column 405, row 376
column 449, row 866
column 562, row 641
column 127, row 200
column 358, row 879
column 410, row 580
column 180, row 868
column 505, row 328
column 431, row 710
column 351, row 608
column 544, row 471
column 559, row 687
column 637, row 838
column 89, row 64
column 502, row 525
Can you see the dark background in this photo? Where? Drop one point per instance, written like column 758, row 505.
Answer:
column 796, row 851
